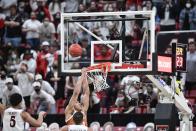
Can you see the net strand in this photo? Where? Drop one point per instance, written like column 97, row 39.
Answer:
column 98, row 77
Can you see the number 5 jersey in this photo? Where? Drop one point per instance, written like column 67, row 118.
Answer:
column 12, row 120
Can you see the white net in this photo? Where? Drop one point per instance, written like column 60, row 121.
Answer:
column 99, row 78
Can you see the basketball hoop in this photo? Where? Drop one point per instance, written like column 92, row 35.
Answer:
column 98, row 75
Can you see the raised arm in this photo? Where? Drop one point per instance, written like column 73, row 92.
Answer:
column 75, row 94
column 86, row 92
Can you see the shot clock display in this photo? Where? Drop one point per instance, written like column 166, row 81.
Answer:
column 181, row 57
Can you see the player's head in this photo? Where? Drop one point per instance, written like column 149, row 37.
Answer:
column 78, row 106
column 15, row 99
column 78, row 117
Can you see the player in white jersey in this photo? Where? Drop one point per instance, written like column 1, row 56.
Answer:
column 78, row 126
column 14, row 118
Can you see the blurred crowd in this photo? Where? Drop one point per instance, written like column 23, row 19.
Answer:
column 30, row 44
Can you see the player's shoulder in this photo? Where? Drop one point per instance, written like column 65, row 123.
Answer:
column 64, row 128
column 24, row 115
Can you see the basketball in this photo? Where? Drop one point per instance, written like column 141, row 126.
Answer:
column 75, row 50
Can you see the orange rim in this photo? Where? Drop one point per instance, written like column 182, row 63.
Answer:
column 103, row 67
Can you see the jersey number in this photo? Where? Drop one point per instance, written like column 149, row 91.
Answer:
column 12, row 121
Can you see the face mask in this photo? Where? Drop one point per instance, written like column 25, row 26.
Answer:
column 188, row 5
column 9, row 86
column 46, row 23
column 37, row 90
column 33, row 17
column 14, row 56
column 23, row 70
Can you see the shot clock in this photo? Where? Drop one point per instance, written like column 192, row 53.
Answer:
column 181, row 51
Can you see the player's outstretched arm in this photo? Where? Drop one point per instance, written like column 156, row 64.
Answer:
column 75, row 94
column 86, row 91
column 32, row 121
column 2, row 108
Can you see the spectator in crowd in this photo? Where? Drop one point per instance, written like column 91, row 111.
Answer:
column 167, row 14
column 71, row 5
column 42, row 11
column 57, row 81
column 32, row 29
column 131, row 86
column 94, row 102
column 28, row 58
column 109, row 7
column 151, row 97
column 186, row 17
column 100, row 6
column 47, row 31
column 102, row 52
column 41, row 100
column 45, row 85
column 82, row 8
column 24, row 8
column 147, row 5
column 2, row 84
column 13, row 27
column 72, row 32
column 56, row 6
column 12, row 61
column 190, row 81
column 168, row 50
column 120, row 102
column 9, row 90
column 193, row 18
column 44, row 59
column 69, row 87
column 56, row 19
column 55, row 51
column 92, row 7
column 2, row 25
column 6, row 4
column 25, row 80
